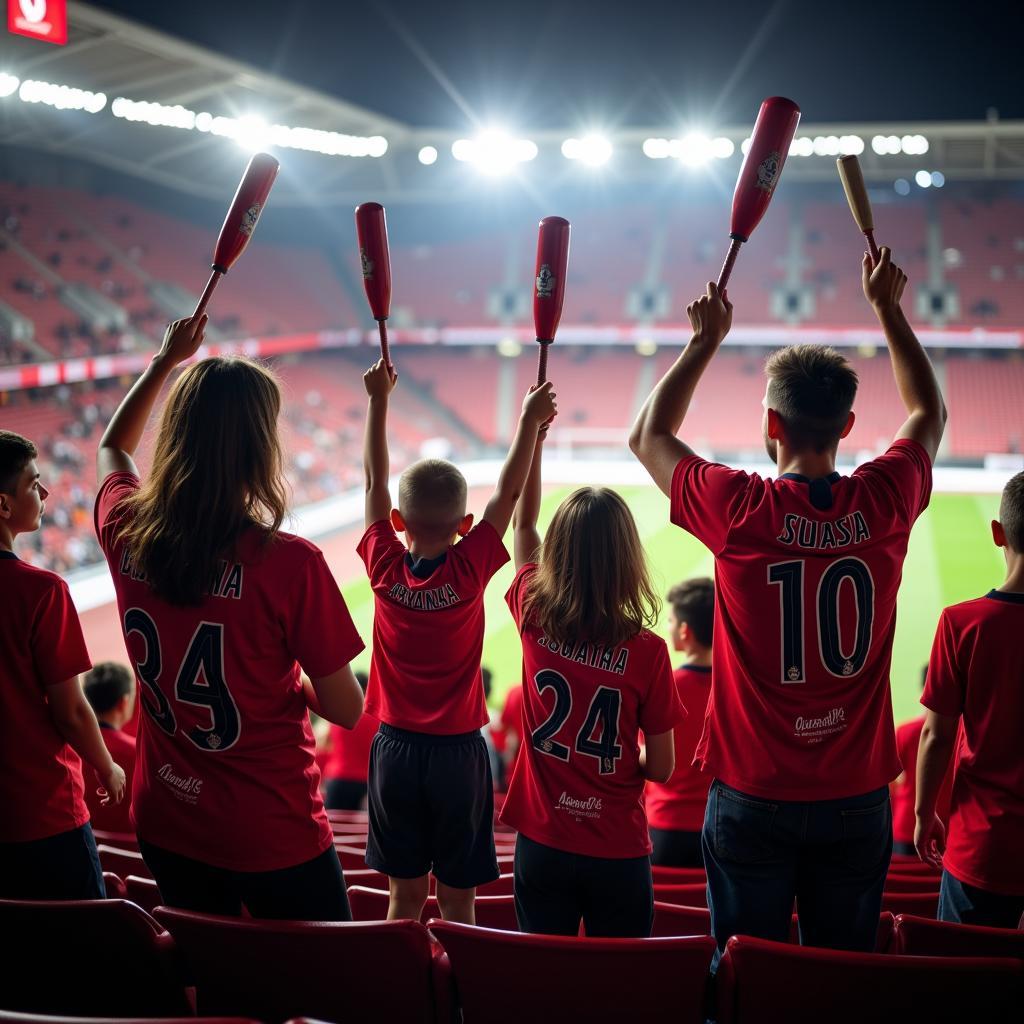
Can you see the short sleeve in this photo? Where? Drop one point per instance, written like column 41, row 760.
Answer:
column 482, row 552
column 904, row 471
column 516, row 594
column 944, row 690
column 319, row 630
column 705, row 497
column 114, row 489
column 661, row 709
column 58, row 646
column 379, row 549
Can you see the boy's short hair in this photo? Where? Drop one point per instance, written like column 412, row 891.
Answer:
column 812, row 387
column 106, row 684
column 432, row 497
column 16, row 452
column 693, row 602
column 1011, row 513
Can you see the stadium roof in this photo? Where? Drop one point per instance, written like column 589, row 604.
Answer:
column 173, row 113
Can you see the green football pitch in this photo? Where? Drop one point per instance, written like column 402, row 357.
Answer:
column 951, row 558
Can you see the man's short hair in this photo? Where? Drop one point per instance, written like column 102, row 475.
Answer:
column 106, row 684
column 693, row 602
column 432, row 497
column 1011, row 513
column 812, row 388
column 16, row 452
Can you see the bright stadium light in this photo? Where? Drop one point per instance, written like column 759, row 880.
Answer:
column 803, row 146
column 592, row 150
column 156, row 114
column 61, row 97
column 646, row 347
column 722, row 148
column 8, row 83
column 655, row 149
column 938, row 179
column 851, row 145
column 509, row 348
column 494, row 152
column 427, row 155
column 923, row 179
column 745, row 146
column 914, row 145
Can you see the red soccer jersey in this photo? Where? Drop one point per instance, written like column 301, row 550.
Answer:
column 904, row 790
column 349, row 756
column 679, row 804
column 428, row 630
column 226, row 770
column 577, row 784
column 512, row 719
column 111, row 817
column 977, row 671
column 805, row 612
column 41, row 644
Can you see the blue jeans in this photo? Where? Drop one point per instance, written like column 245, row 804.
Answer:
column 967, row 904
column 61, row 867
column 830, row 856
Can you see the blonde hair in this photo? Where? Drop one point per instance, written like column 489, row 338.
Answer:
column 217, row 470
column 592, row 582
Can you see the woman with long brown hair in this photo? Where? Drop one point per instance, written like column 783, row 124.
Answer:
column 221, row 611
column 594, row 676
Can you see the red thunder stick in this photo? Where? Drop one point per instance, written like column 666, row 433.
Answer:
column 241, row 220
column 375, row 259
column 762, row 166
column 856, row 191
column 549, row 285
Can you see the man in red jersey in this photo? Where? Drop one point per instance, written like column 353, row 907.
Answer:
column 675, row 809
column 799, row 733
column 976, row 674
column 431, row 794
column 47, row 849
column 110, row 690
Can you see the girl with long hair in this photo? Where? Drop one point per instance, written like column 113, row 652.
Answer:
column 594, row 676
column 221, row 612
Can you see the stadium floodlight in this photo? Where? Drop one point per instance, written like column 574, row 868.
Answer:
column 803, row 146
column 851, row 145
column 938, row 179
column 8, row 83
column 693, row 150
column 914, row 145
column 646, row 347
column 887, row 145
column 923, row 179
column 494, row 152
column 251, row 132
column 427, row 155
column 722, row 148
column 156, row 114
column 509, row 348
column 592, row 150
column 902, row 187
column 745, row 146
column 655, row 149
column 61, row 97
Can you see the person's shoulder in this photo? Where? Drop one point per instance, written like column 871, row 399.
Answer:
column 978, row 609
column 904, row 452
column 284, row 551
column 648, row 642
column 35, row 580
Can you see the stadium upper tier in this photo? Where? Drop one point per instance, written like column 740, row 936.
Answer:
column 85, row 274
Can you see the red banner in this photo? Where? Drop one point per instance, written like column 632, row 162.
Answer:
column 46, row 20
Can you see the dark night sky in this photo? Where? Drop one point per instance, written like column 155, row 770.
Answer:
column 560, row 63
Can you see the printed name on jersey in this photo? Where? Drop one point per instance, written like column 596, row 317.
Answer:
column 816, row 729
column 424, row 600
column 608, row 659
column 186, row 788
column 226, row 580
column 824, row 535
column 579, row 807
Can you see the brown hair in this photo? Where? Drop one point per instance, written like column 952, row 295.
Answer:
column 592, row 582
column 1011, row 513
column 812, row 388
column 693, row 602
column 16, row 452
column 432, row 498
column 217, row 470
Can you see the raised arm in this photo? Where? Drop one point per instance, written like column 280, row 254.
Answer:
column 376, row 462
column 938, row 739
column 526, row 542
column 124, row 432
column 538, row 408
column 653, row 438
column 915, row 377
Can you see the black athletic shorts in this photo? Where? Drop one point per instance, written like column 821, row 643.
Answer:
column 674, row 848
column 431, row 804
column 555, row 890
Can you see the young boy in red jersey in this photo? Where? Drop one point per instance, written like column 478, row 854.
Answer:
column 799, row 733
column 110, row 691
column 675, row 809
column 976, row 674
column 348, row 759
column 47, row 849
column 430, row 788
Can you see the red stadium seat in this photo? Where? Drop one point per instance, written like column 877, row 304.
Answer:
column 114, row 886
column 678, row 876
column 898, row 883
column 143, row 892
column 104, row 958
column 274, row 970
column 507, row 978
column 919, row 936
column 921, row 904
column 122, row 862
column 120, row 840
column 761, row 981
column 491, row 911
column 36, row 1018
column 692, row 894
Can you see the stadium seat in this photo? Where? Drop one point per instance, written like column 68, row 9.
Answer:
column 275, row 970
column 491, row 911
column 761, row 981
column 678, row 876
column 508, row 978
column 692, row 894
column 122, row 862
column 921, row 904
column 109, row 956
column 899, row 883
column 143, row 892
column 919, row 936
column 119, row 840
column 114, row 886
column 353, row 858
column 37, row 1018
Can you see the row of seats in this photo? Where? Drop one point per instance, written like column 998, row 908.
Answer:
column 116, row 960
